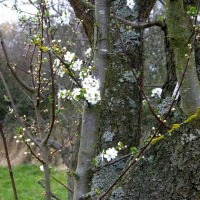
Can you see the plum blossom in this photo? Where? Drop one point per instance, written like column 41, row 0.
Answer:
column 84, row 73
column 65, row 17
column 92, row 93
column 63, row 93
column 156, row 92
column 110, row 154
column 77, row 65
column 69, row 56
column 90, row 86
column 76, row 93
column 90, row 82
column 59, row 69
column 88, row 52
column 92, row 96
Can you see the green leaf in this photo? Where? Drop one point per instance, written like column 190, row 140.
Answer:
column 134, row 150
column 192, row 10
column 47, row 13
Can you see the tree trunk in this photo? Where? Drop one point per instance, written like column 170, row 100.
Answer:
column 45, row 155
column 121, row 112
column 120, row 119
column 169, row 170
column 180, row 32
column 90, row 119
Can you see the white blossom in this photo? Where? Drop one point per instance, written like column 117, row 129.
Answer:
column 88, row 52
column 92, row 93
column 83, row 74
column 56, row 63
column 59, row 69
column 92, row 96
column 63, row 93
column 61, row 72
column 156, row 92
column 76, row 93
column 110, row 154
column 69, row 56
column 65, row 17
column 77, row 65
column 90, row 82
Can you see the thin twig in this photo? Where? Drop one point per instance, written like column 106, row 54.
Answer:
column 24, row 85
column 52, row 194
column 8, row 162
column 15, row 111
column 69, row 189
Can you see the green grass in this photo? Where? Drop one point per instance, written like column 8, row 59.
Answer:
column 26, row 177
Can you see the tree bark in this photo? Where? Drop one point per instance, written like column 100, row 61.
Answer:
column 121, row 111
column 169, row 170
column 86, row 14
column 120, row 119
column 180, row 35
column 90, row 119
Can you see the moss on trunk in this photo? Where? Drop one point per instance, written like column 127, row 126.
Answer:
column 180, row 36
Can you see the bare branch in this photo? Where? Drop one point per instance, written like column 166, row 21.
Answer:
column 140, row 25
column 15, row 109
column 24, row 85
column 70, row 190
column 9, row 164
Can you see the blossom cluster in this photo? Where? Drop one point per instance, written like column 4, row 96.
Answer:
column 110, row 154
column 90, row 85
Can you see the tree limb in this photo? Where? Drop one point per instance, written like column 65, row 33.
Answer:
column 70, row 190
column 140, row 25
column 15, row 109
column 8, row 162
column 25, row 86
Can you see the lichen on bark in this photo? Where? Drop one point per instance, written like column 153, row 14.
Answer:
column 169, row 170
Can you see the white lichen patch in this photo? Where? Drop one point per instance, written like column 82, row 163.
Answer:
column 185, row 138
column 108, row 136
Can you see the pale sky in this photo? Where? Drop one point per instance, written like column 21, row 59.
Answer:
column 9, row 15
column 6, row 14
